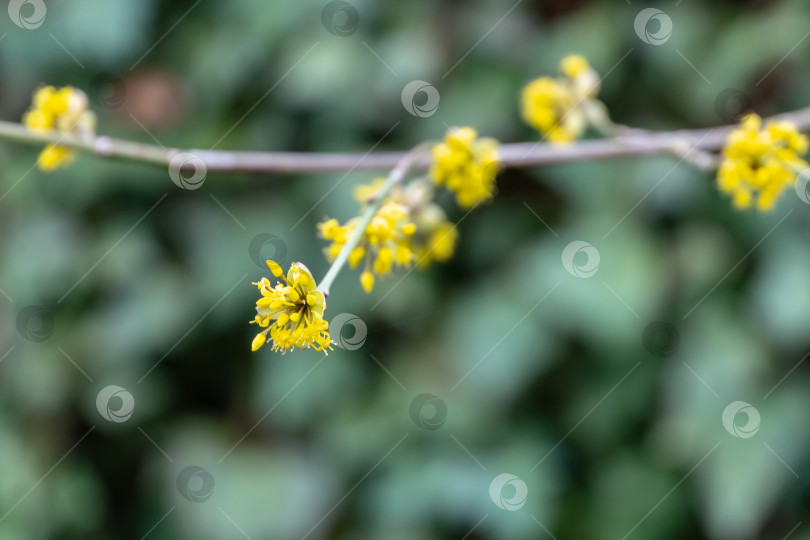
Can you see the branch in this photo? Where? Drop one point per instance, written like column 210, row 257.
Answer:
column 687, row 144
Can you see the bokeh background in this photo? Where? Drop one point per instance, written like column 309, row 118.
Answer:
column 602, row 394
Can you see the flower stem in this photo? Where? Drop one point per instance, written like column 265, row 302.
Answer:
column 394, row 177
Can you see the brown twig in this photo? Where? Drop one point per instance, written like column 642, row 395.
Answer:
column 693, row 145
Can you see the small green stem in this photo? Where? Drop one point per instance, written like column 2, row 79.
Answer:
column 396, row 175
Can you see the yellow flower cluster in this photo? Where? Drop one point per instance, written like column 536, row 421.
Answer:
column 385, row 242
column 466, row 165
column 435, row 236
column 758, row 164
column 561, row 108
column 437, row 244
column 409, row 228
column 292, row 311
column 64, row 110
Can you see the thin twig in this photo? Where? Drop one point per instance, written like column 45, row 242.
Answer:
column 629, row 142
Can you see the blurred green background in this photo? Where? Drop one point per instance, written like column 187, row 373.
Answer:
column 605, row 400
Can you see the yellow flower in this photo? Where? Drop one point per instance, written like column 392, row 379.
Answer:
column 38, row 121
column 367, row 281
column 559, row 108
column 64, row 110
column 54, row 156
column 549, row 107
column 434, row 238
column 292, row 311
column 573, row 65
column 579, row 73
column 466, row 165
column 758, row 164
column 363, row 193
column 439, row 245
column 386, row 241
